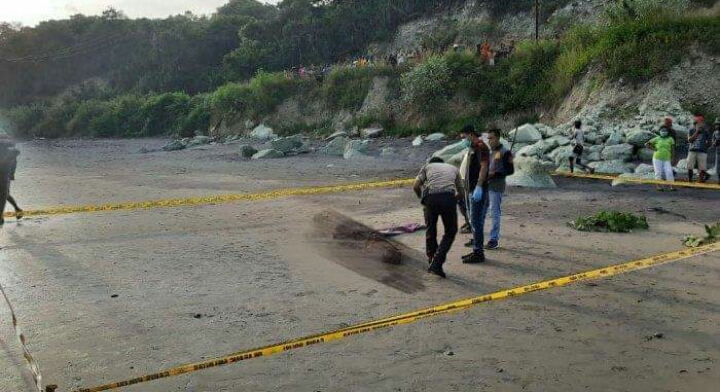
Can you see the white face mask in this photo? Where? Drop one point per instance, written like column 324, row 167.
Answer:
column 485, row 138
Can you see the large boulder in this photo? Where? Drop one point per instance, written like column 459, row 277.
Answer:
column 560, row 140
column 526, row 134
column 335, row 147
column 530, row 172
column 617, row 152
column 545, row 130
column 287, row 144
column 370, row 133
column 175, row 145
column 336, row 135
column 645, row 154
column 614, row 138
column 435, row 137
column 357, row 145
column 388, row 152
column 617, row 166
column 639, row 137
column 417, row 142
column 560, row 155
column 353, row 155
column 268, row 153
column 449, row 151
column 199, row 141
column 457, row 159
column 261, row 132
column 644, row 169
column 247, row 151
column 593, row 153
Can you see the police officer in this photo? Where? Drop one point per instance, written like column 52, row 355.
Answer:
column 438, row 185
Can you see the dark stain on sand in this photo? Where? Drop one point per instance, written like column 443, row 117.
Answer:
column 366, row 252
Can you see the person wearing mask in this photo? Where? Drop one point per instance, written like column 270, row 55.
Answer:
column 699, row 140
column 463, row 201
column 668, row 126
column 501, row 166
column 578, row 144
column 439, row 185
column 476, row 182
column 664, row 147
column 716, row 144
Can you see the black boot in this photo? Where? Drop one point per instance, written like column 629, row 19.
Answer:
column 474, row 258
column 690, row 175
column 436, row 268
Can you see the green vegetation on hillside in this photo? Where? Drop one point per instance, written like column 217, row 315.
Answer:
column 178, row 83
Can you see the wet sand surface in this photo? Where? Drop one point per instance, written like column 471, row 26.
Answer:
column 111, row 296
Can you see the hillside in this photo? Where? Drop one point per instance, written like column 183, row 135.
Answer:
column 188, row 75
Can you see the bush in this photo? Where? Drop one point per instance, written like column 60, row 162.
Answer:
column 429, row 85
column 21, row 120
column 611, row 221
column 164, row 113
column 86, row 112
column 199, row 118
column 347, row 87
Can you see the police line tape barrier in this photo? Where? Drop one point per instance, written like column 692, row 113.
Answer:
column 31, row 362
column 630, row 180
column 410, row 317
column 169, row 203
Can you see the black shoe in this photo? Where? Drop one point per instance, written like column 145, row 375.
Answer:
column 19, row 214
column 436, row 268
column 465, row 230
column 470, row 244
column 492, row 245
column 474, row 258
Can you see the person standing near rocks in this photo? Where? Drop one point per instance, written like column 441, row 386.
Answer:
column 699, row 140
column 439, row 185
column 476, row 181
column 8, row 163
column 578, row 144
column 501, row 166
column 664, row 147
column 716, row 144
column 668, row 126
column 463, row 201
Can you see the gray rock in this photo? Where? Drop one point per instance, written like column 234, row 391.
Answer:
column 530, row 173
column 388, row 152
column 435, row 137
column 417, row 142
column 593, row 153
column 457, row 158
column 614, row 138
column 371, row 133
column 682, row 165
column 560, row 140
column 529, row 151
column 526, row 134
column 591, row 137
column 644, row 169
column 357, row 145
column 560, row 155
column 353, row 155
column 617, row 152
column 336, row 135
column 449, row 151
column 268, row 153
column 287, row 144
column 545, row 130
column 262, row 132
column 335, row 147
column 247, row 151
column 175, row 145
column 638, row 138
column 645, row 154
column 617, row 166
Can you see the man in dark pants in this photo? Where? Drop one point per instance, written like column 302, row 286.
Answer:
column 438, row 185
column 476, row 182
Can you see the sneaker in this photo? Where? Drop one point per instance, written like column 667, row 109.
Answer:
column 492, row 245
column 470, row 244
column 474, row 258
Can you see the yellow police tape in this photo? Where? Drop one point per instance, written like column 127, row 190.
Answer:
column 216, row 199
column 620, row 180
column 143, row 205
column 411, row 316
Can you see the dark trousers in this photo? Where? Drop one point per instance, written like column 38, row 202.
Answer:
column 462, row 205
column 440, row 206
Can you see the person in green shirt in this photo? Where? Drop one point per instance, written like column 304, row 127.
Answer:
column 664, row 147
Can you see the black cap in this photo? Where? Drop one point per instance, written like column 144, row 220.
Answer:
column 470, row 129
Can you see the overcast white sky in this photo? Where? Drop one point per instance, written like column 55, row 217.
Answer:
column 30, row 12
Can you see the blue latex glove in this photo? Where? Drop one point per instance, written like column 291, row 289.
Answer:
column 477, row 194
